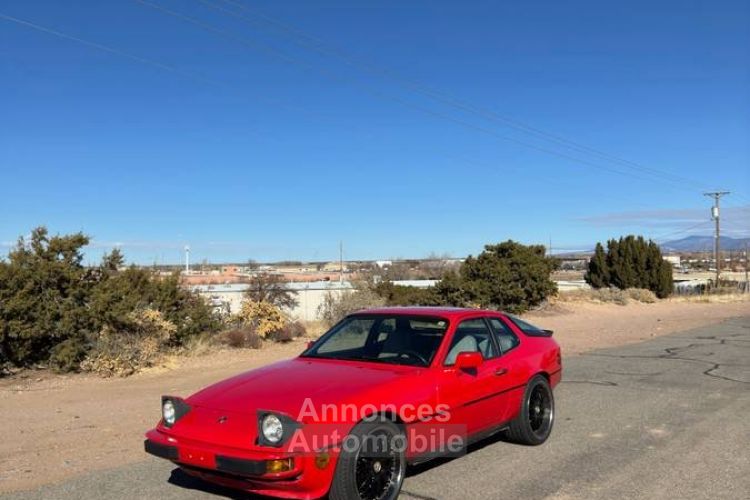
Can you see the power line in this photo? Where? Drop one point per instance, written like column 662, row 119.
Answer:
column 322, row 47
column 205, row 80
column 155, row 64
column 277, row 53
column 436, row 114
column 106, row 48
column 664, row 236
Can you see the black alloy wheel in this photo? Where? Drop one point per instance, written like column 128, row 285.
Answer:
column 374, row 468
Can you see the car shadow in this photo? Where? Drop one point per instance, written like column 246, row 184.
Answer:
column 415, row 470
column 179, row 478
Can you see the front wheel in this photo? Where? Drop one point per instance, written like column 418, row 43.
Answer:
column 372, row 463
column 534, row 422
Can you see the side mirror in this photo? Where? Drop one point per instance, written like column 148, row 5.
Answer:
column 310, row 343
column 468, row 360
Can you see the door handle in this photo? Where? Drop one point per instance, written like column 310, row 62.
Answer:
column 501, row 371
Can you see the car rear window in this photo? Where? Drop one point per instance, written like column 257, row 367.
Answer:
column 525, row 326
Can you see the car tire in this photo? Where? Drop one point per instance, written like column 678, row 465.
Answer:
column 533, row 424
column 366, row 474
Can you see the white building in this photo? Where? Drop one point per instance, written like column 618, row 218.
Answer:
column 310, row 295
column 228, row 298
column 675, row 260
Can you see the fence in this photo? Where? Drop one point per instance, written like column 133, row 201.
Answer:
column 708, row 287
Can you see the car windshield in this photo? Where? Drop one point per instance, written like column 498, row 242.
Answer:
column 399, row 339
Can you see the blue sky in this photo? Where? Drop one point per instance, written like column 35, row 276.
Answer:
column 272, row 130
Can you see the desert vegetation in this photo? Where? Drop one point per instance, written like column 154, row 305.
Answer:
column 508, row 276
column 610, row 295
column 630, row 262
column 115, row 320
column 56, row 312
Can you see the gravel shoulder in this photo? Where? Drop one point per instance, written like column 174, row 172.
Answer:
column 58, row 427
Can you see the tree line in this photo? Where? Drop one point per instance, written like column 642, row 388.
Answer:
column 630, row 262
column 55, row 311
column 113, row 319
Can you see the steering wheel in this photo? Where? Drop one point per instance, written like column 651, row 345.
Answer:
column 413, row 354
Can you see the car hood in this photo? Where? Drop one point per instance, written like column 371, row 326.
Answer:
column 289, row 386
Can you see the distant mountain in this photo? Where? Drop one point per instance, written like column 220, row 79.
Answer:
column 703, row 244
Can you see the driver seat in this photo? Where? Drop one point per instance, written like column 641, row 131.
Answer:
column 396, row 342
column 467, row 344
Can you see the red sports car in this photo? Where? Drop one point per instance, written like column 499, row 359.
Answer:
column 381, row 389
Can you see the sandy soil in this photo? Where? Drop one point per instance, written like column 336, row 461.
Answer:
column 55, row 427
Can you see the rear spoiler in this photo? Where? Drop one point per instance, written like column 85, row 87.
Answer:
column 538, row 333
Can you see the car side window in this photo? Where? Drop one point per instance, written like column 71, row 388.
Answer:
column 506, row 339
column 471, row 335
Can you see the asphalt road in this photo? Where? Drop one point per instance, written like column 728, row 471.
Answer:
column 668, row 418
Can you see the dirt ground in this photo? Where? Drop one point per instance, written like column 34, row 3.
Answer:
column 54, row 427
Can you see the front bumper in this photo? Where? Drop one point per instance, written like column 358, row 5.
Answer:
column 245, row 470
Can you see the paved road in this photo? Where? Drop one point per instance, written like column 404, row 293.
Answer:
column 669, row 418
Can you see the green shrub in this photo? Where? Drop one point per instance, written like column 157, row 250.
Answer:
column 43, row 292
column 630, row 262
column 67, row 355
column 53, row 309
column 400, row 295
column 508, row 276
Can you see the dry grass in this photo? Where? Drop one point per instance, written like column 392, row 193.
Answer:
column 725, row 298
column 198, row 345
column 609, row 296
column 244, row 337
column 641, row 295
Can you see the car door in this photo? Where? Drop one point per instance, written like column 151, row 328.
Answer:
column 510, row 370
column 470, row 394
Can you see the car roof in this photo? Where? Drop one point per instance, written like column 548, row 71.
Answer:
column 443, row 312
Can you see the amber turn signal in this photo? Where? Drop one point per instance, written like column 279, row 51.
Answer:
column 283, row 465
column 322, row 460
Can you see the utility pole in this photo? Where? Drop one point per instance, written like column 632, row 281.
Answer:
column 716, row 195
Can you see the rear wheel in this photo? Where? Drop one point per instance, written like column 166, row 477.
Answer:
column 534, row 422
column 372, row 463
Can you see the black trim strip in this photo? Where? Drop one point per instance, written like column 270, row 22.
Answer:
column 484, row 434
column 160, row 450
column 495, row 394
column 470, row 440
column 240, row 466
